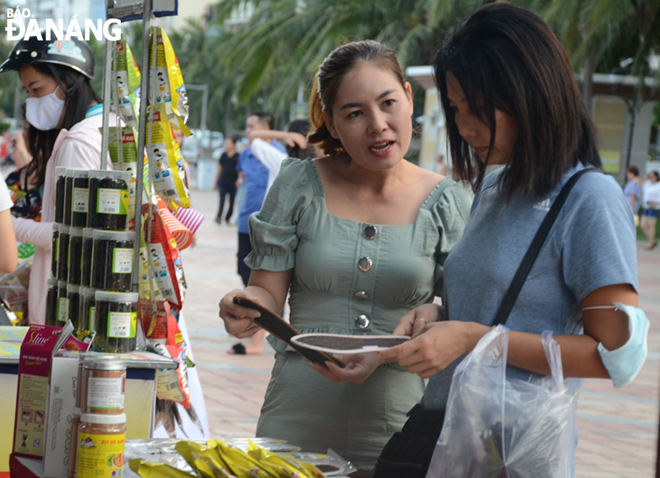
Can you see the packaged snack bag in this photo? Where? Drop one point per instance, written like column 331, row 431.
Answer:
column 127, row 84
column 167, row 86
column 163, row 259
column 166, row 164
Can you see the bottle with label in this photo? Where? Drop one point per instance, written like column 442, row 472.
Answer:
column 109, row 199
column 116, row 321
column 80, row 197
column 62, row 314
column 112, row 260
column 103, row 385
column 100, row 445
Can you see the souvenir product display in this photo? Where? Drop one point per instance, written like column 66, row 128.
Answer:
column 103, row 384
column 112, row 260
column 80, row 197
column 62, row 303
column 108, row 200
column 55, row 250
column 116, row 321
column 87, row 308
column 100, row 446
column 68, row 196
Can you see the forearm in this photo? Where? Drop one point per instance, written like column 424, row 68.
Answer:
column 32, row 232
column 8, row 249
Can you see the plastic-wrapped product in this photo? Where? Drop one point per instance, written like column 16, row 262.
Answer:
column 108, row 200
column 51, row 302
column 127, row 86
column 112, row 260
column 75, row 255
column 63, row 254
column 60, row 193
column 127, row 162
column 80, row 197
column 116, row 321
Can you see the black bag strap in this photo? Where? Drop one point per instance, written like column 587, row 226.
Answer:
column 534, row 249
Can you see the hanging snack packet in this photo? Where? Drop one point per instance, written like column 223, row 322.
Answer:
column 127, row 85
column 164, row 259
column 127, row 162
column 167, row 86
column 166, row 164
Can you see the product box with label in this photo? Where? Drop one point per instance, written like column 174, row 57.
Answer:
column 37, row 350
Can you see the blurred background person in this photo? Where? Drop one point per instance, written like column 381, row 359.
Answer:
column 226, row 179
column 651, row 208
column 633, row 191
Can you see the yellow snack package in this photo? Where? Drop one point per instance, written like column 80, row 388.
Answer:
column 167, row 168
column 167, row 86
column 240, row 463
column 194, row 452
column 156, row 470
column 127, row 84
column 280, row 467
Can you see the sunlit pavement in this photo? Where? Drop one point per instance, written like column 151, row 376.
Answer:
column 618, row 427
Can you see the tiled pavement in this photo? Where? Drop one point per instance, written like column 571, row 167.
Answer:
column 618, row 428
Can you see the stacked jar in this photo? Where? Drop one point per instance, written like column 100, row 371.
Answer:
column 93, row 252
column 100, row 432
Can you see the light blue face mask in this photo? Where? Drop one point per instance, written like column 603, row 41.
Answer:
column 624, row 363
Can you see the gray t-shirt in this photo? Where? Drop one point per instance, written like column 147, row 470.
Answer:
column 591, row 245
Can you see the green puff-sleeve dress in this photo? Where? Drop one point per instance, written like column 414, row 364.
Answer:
column 348, row 278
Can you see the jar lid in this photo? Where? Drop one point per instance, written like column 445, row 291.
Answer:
column 87, row 291
column 103, row 419
column 72, row 289
column 116, row 296
column 61, row 284
column 114, row 235
column 88, row 232
column 53, row 282
column 110, row 173
column 60, row 171
column 103, row 362
column 64, row 229
column 80, row 173
column 70, row 171
column 56, row 227
column 76, row 231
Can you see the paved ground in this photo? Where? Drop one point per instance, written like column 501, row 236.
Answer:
column 618, row 428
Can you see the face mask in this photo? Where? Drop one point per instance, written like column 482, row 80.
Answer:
column 44, row 113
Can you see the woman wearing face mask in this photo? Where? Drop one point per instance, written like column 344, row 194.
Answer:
column 65, row 114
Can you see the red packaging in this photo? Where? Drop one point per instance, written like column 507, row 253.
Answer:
column 157, row 330
column 172, row 384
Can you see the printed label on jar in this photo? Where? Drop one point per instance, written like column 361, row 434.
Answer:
column 63, row 310
column 105, row 393
column 122, row 324
column 100, row 455
column 80, row 199
column 122, row 261
column 112, row 201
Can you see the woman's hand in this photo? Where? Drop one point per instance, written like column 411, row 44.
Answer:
column 358, row 368
column 415, row 320
column 239, row 320
column 436, row 346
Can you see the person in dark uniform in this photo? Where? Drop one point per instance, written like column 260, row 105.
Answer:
column 226, row 177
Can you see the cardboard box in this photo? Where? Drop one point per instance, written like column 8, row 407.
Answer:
column 37, row 350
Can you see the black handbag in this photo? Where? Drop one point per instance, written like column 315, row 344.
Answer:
column 408, row 453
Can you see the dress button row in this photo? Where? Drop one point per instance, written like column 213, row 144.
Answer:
column 365, row 264
column 362, row 321
column 370, row 232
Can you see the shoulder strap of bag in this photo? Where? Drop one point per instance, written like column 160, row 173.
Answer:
column 534, row 249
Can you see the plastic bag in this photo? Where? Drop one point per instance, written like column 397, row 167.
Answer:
column 497, row 426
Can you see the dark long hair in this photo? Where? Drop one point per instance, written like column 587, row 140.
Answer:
column 40, row 143
column 506, row 58
column 328, row 79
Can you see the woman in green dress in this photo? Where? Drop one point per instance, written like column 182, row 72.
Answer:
column 358, row 237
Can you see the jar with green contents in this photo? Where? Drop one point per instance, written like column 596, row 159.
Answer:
column 62, row 304
column 108, row 200
column 87, row 308
column 116, row 321
column 112, row 260
column 80, row 197
column 100, row 445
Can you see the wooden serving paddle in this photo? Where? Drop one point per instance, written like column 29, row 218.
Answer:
column 281, row 329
